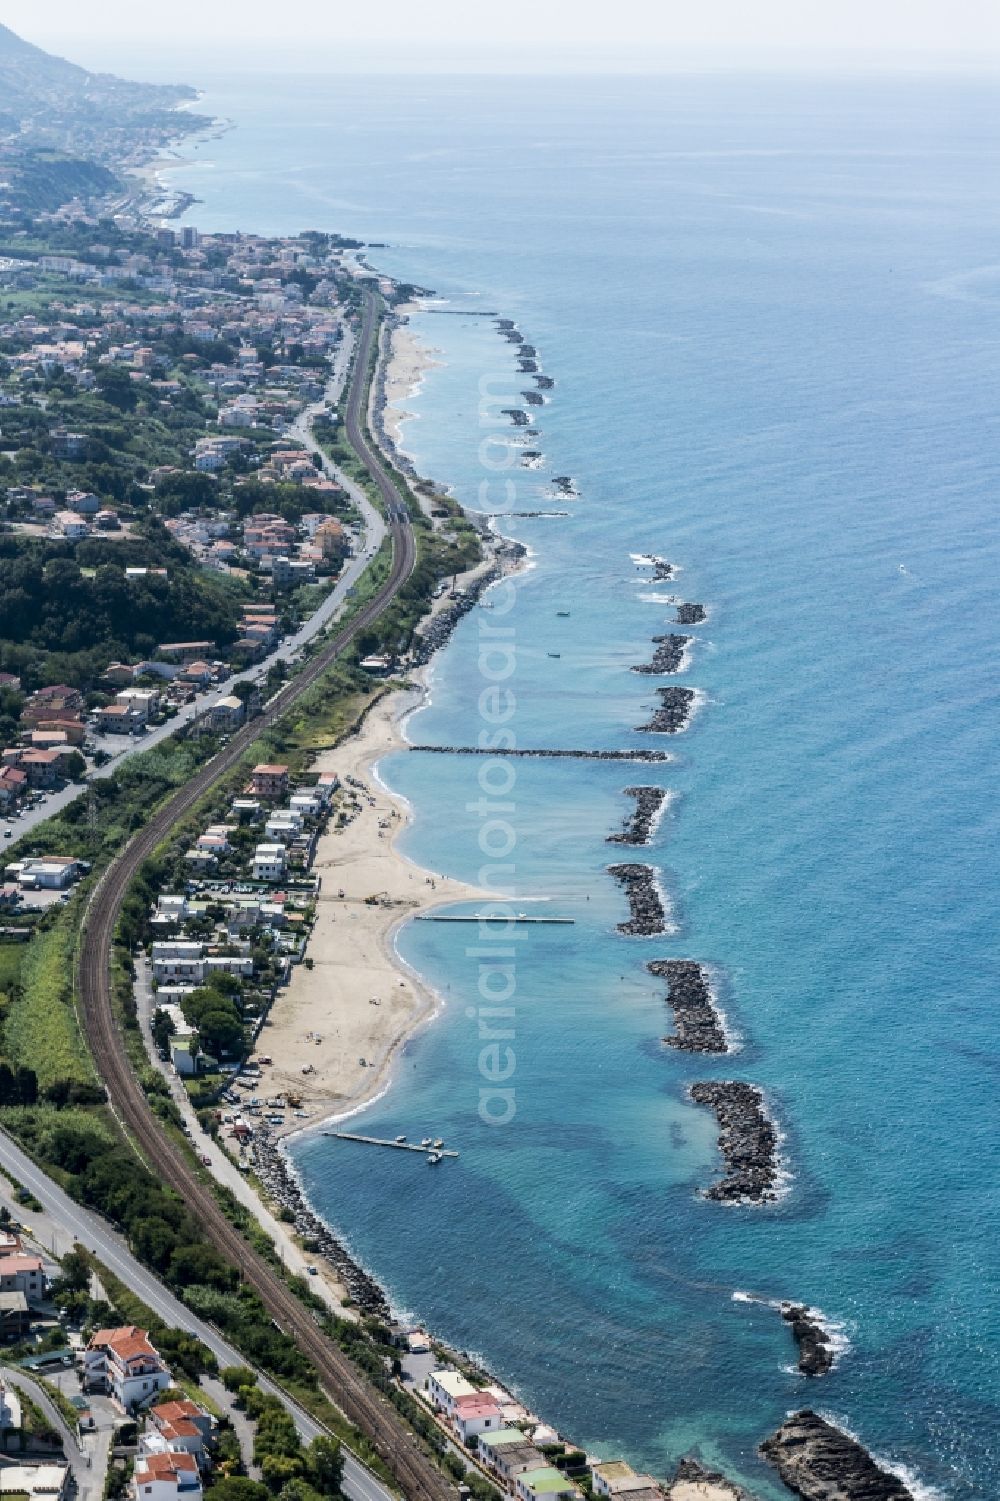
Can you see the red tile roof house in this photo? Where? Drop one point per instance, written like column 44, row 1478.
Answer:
column 123, row 1362
column 167, row 1477
column 268, row 781
column 41, row 766
column 182, row 1427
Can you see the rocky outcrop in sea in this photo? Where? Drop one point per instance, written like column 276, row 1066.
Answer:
column 698, row 1025
column 667, row 657
column 533, row 398
column 565, row 484
column 673, row 713
column 690, row 614
column 280, row 1184
column 816, row 1349
column 640, row 824
column 747, row 1139
column 819, row 1462
column 519, row 418
column 645, row 903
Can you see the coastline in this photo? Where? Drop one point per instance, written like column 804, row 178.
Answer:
column 334, row 1033
column 407, row 362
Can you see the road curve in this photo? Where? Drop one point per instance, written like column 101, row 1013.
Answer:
column 418, row 1477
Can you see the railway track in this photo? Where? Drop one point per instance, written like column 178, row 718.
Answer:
column 346, row 1384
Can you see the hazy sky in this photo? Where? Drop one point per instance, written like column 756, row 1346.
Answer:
column 420, row 32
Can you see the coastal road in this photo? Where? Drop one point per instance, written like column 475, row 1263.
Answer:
column 347, row 1385
column 95, row 1235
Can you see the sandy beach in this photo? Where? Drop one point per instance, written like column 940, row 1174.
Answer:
column 334, row 1031
column 408, row 360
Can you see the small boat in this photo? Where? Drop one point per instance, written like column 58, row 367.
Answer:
column 438, row 1144
column 433, row 1158
column 426, row 1142
column 400, row 1141
column 555, row 653
column 563, row 614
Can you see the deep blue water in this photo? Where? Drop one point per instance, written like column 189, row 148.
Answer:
column 772, row 307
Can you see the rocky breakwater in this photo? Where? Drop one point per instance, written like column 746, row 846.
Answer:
column 819, row 1462
column 565, row 485
column 667, row 657
column 647, row 916
column 507, row 556
column 519, row 418
column 644, row 757
column 271, row 1167
column 698, row 1025
column 640, row 824
column 672, row 715
column 747, row 1139
column 816, row 1349
column 690, row 614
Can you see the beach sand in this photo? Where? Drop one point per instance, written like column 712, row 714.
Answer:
column 326, row 1021
column 408, row 360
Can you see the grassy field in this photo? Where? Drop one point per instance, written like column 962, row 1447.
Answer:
column 40, row 1027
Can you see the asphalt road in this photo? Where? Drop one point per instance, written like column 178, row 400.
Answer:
column 96, row 1235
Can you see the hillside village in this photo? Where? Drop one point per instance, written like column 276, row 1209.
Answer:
column 152, row 478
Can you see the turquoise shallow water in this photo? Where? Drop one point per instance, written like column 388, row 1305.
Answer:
column 772, row 308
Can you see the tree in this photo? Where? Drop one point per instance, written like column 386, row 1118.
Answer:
column 279, row 1469
column 325, row 1465
column 235, row 1376
column 238, row 1488
column 116, row 386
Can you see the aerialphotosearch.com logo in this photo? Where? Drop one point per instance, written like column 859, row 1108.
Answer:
column 495, row 808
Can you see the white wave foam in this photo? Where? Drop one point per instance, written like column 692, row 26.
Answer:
column 919, row 1489
column 659, row 599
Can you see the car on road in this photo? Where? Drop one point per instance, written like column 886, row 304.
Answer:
column 206, row 1159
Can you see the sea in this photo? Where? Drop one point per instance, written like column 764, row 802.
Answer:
column 770, row 307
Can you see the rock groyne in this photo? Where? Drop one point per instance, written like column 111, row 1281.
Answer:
column 816, row 1349
column 644, row 757
column 672, row 715
column 748, row 1142
column 819, row 1462
column 639, row 825
column 281, row 1185
column 645, row 903
column 690, row 614
column 698, row 1025
column 667, row 657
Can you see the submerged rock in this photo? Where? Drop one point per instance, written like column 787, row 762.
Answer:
column 820, row 1462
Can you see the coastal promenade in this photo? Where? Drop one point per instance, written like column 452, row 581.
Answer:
column 347, row 1386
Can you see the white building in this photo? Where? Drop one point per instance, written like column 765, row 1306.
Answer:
column 446, row 1386
column 37, row 1482
column 269, row 862
column 123, row 1362
column 283, row 828
column 143, row 701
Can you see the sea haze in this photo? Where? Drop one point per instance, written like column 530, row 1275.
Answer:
column 772, row 310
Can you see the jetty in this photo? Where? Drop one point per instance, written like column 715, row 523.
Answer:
column 426, row 1148
column 521, row 917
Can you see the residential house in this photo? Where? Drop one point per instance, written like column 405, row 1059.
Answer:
column 180, row 1427
column 167, row 1477
column 50, row 872
column 70, row 524
column 42, row 768
column 144, row 701
column 123, row 1362
column 510, row 1453
column 476, row 1414
column 546, row 1481
column 56, row 702
column 21, row 1273
column 13, row 785
column 269, row 781
column 269, row 862
column 117, row 719
column 227, row 714
column 446, row 1386
column 289, row 573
